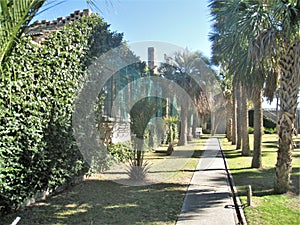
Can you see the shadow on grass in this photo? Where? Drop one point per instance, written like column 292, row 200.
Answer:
column 261, row 180
column 106, row 202
column 271, row 145
column 270, row 142
column 231, row 154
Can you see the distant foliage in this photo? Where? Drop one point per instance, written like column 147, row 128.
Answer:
column 38, row 86
column 171, row 130
column 270, row 130
column 121, row 152
column 250, row 130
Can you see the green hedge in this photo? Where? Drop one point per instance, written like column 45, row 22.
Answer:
column 38, row 85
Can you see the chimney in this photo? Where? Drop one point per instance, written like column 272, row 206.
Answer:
column 151, row 57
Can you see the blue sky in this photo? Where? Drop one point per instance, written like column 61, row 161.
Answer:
column 185, row 23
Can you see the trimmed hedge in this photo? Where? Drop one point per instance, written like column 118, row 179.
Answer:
column 38, row 85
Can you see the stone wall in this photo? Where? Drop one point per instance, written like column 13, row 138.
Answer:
column 40, row 29
column 46, row 25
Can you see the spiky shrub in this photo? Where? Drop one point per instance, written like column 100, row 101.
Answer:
column 136, row 172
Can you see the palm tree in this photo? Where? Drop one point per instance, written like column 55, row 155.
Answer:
column 269, row 31
column 225, row 45
column 277, row 45
column 235, row 46
column 225, row 80
column 185, row 69
column 140, row 114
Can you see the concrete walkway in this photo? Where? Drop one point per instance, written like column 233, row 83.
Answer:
column 208, row 200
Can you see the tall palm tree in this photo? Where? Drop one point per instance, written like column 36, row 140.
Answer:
column 225, row 80
column 234, row 46
column 277, row 45
column 226, row 50
column 231, row 47
column 270, row 32
column 185, row 69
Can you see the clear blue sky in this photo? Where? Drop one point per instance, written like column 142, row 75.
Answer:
column 185, row 23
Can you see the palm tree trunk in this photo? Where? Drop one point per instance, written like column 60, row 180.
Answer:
column 213, row 122
column 195, row 124
column 244, row 123
column 239, row 117
column 139, row 151
column 258, row 130
column 183, row 126
column 189, row 126
column 229, row 118
column 288, row 95
column 234, row 116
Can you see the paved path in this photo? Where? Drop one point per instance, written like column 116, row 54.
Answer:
column 208, row 200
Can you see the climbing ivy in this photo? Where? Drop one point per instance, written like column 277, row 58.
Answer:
column 38, row 85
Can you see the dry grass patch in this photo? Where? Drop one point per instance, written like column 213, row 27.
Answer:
column 97, row 200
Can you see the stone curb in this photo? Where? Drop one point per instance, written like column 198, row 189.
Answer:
column 235, row 193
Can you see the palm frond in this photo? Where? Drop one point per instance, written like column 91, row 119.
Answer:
column 264, row 45
column 14, row 17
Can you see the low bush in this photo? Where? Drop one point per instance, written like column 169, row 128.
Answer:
column 121, row 152
column 270, row 130
column 266, row 130
column 250, row 130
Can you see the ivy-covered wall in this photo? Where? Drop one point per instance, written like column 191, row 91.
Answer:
column 37, row 90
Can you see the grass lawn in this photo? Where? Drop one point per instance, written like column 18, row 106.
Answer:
column 98, row 200
column 268, row 208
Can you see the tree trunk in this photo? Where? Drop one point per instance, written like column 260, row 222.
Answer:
column 183, row 125
column 228, row 118
column 258, row 130
column 195, row 124
column 189, row 126
column 288, row 95
column 139, row 151
column 212, row 123
column 244, row 123
column 239, row 117
column 234, row 116
column 215, row 122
